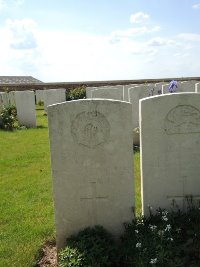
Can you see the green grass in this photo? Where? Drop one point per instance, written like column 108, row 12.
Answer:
column 26, row 207
column 26, row 210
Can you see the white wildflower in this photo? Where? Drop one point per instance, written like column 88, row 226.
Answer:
column 164, row 218
column 152, row 227
column 138, row 245
column 165, row 212
column 153, row 261
column 168, row 227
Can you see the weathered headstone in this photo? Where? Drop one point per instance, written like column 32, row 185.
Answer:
column 91, row 158
column 108, row 93
column 135, row 94
column 170, row 150
column 54, row 96
column 25, row 104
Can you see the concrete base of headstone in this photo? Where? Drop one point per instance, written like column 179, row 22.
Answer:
column 92, row 165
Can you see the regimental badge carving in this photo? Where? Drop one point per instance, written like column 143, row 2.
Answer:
column 182, row 119
column 90, row 129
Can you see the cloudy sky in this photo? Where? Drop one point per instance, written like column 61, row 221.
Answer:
column 82, row 40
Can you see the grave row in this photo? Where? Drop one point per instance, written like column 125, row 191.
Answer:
column 92, row 159
column 133, row 93
column 25, row 103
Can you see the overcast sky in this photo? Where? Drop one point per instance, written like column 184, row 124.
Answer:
column 82, row 40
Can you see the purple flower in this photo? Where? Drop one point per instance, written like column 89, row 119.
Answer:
column 171, row 86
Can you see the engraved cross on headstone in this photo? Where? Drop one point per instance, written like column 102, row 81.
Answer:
column 93, row 199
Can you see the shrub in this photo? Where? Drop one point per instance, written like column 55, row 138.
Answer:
column 76, row 93
column 8, row 117
column 92, row 247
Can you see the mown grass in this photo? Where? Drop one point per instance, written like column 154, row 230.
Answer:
column 26, row 211
column 26, row 206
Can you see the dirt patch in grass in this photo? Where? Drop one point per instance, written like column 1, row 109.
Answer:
column 48, row 255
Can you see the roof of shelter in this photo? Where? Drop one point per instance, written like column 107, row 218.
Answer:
column 18, row 80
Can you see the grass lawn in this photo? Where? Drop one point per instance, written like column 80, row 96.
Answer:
column 26, row 207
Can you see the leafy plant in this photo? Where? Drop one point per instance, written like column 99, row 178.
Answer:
column 71, row 257
column 92, row 247
column 8, row 117
column 76, row 93
column 164, row 239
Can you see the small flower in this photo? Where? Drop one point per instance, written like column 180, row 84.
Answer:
column 168, row 227
column 152, row 227
column 170, row 239
column 138, row 245
column 171, row 86
column 153, row 261
column 164, row 218
column 136, row 231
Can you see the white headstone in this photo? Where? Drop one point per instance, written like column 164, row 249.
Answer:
column 91, row 158
column 188, row 86
column 39, row 96
column 126, row 89
column 89, row 91
column 108, row 93
column 135, row 94
column 170, row 150
column 197, row 87
column 165, row 88
column 25, row 104
column 4, row 99
column 54, row 96
column 11, row 95
column 158, row 88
